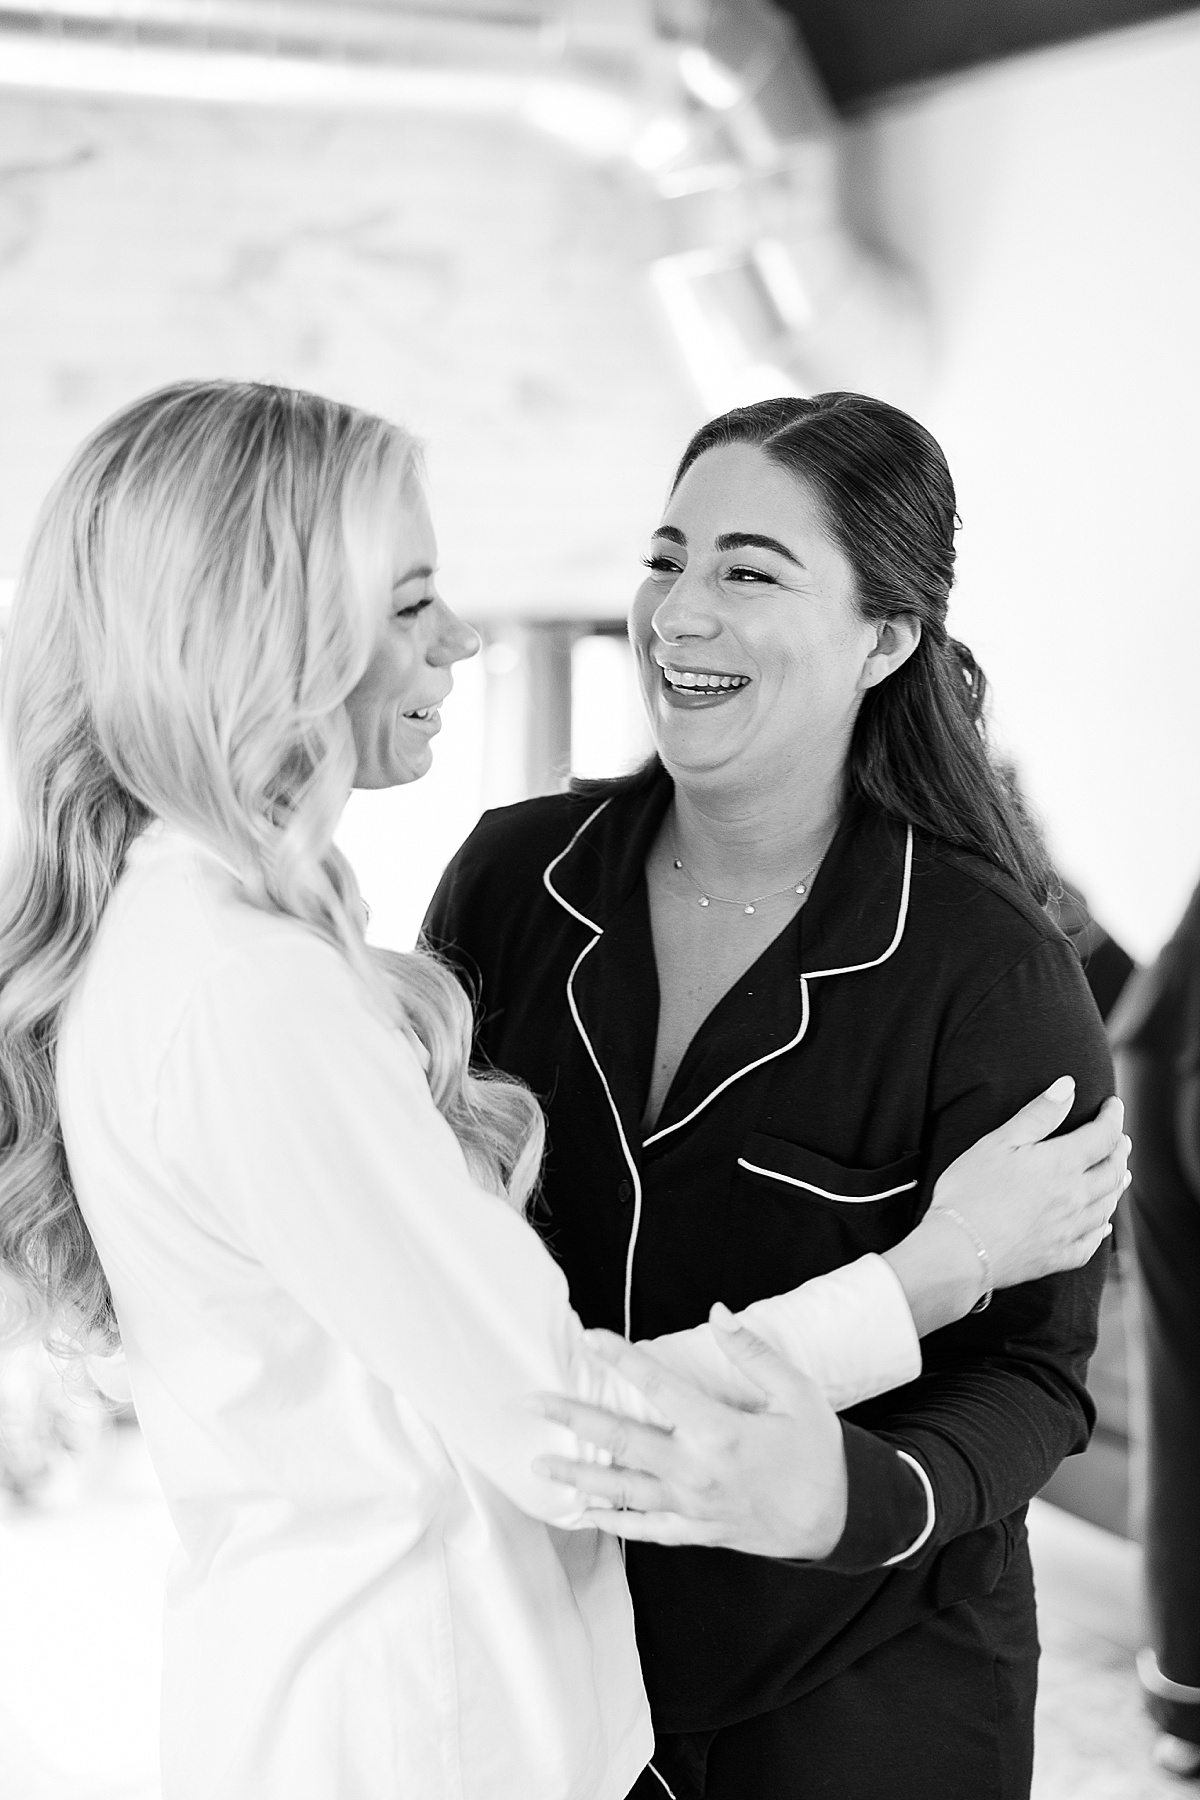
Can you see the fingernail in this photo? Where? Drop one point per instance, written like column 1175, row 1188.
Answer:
column 1127, row 1141
column 1108, row 1229
column 719, row 1314
column 1127, row 1180
column 1058, row 1090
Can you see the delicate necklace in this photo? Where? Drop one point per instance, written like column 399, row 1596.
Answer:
column 747, row 906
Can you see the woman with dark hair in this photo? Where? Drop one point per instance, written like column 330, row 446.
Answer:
column 768, row 989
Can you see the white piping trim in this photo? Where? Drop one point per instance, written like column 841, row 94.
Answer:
column 1160, row 1685
column 901, row 921
column 587, row 1043
column 758, row 1063
column 810, row 975
column 738, row 1073
column 658, row 1777
column 630, row 1164
column 847, row 1199
column 553, row 864
column 930, row 1516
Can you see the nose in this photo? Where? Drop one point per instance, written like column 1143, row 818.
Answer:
column 685, row 611
column 453, row 640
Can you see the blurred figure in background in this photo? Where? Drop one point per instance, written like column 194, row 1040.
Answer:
column 1156, row 1033
column 1107, row 966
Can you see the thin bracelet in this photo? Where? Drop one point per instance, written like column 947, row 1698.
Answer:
column 985, row 1299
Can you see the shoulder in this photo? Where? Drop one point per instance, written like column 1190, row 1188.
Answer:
column 185, row 925
column 1015, row 1007
column 500, row 866
column 529, row 834
column 992, row 951
column 185, row 971
column 994, row 916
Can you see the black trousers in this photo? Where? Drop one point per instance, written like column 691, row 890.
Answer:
column 1165, row 1216
column 944, row 1711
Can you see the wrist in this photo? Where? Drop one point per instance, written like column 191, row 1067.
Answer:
column 939, row 1270
column 826, row 1527
column 987, row 1280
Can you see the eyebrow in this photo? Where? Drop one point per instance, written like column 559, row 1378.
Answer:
column 421, row 572
column 735, row 540
column 754, row 540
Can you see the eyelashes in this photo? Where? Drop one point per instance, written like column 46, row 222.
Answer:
column 741, row 573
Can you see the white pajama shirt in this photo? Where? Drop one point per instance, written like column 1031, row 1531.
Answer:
column 331, row 1332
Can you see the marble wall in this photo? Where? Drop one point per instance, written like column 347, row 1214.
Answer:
column 471, row 277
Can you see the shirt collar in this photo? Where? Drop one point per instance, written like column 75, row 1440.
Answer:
column 853, row 918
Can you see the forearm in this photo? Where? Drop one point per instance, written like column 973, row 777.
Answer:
column 850, row 1331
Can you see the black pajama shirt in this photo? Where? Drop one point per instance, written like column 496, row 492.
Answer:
column 916, row 1001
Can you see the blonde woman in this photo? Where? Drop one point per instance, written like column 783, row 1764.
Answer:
column 230, row 1127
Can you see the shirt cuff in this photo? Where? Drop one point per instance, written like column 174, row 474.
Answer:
column 851, row 1330
column 926, row 1531
column 889, row 1506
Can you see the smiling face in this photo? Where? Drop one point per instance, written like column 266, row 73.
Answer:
column 394, row 708
column 752, row 654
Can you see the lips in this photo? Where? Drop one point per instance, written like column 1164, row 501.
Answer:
column 427, row 720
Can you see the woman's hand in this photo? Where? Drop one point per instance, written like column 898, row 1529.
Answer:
column 770, row 1481
column 1036, row 1207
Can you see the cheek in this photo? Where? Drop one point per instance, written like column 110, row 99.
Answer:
column 641, row 630
column 370, row 707
column 818, row 673
column 642, row 612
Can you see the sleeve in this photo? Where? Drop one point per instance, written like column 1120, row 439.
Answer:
column 1003, row 1397
column 300, row 1124
column 850, row 1331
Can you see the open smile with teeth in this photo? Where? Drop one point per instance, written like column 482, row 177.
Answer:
column 698, row 681
column 423, row 712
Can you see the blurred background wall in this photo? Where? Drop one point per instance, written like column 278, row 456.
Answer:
column 487, row 281
column 1049, row 206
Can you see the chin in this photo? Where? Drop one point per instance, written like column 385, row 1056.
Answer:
column 413, row 770
column 693, row 746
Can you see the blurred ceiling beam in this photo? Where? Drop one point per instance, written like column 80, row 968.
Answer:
column 715, row 102
column 502, row 59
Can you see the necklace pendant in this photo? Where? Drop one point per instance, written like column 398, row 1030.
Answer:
column 800, row 888
column 747, row 909
column 678, row 864
column 704, row 900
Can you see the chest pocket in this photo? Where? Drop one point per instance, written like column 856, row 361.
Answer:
column 800, row 1214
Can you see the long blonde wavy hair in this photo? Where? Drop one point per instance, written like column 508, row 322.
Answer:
column 201, row 594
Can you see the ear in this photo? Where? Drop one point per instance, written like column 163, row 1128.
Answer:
column 895, row 641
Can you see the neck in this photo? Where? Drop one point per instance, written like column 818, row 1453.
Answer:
column 743, row 842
